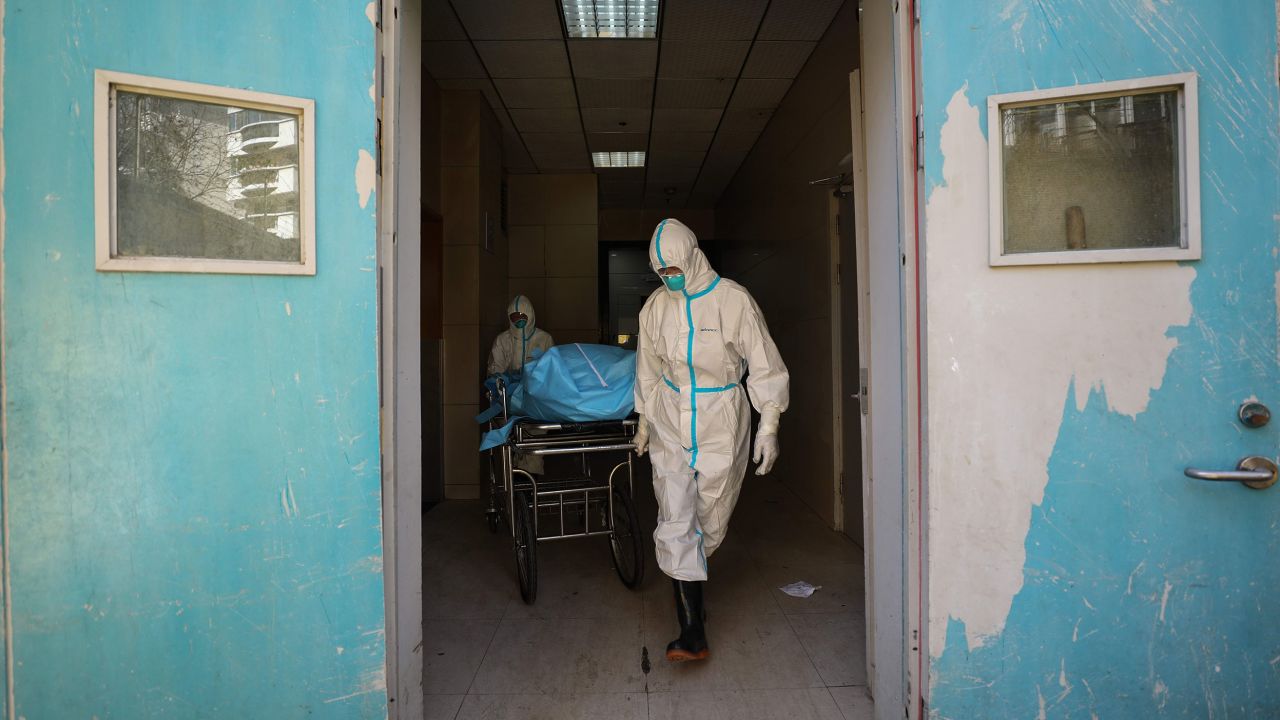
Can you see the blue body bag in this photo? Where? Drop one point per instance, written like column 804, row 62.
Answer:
column 569, row 383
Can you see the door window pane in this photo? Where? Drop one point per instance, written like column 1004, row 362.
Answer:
column 1099, row 173
column 199, row 179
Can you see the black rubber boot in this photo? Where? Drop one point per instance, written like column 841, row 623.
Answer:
column 692, row 643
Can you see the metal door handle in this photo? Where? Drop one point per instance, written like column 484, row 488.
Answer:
column 1256, row 472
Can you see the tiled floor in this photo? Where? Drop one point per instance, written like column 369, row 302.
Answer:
column 577, row 654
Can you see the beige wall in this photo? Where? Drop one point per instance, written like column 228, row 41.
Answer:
column 777, row 243
column 626, row 225
column 554, row 256
column 474, row 276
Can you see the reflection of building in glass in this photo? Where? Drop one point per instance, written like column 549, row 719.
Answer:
column 263, row 147
column 204, row 179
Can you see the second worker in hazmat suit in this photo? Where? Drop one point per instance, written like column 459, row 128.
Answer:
column 515, row 347
column 698, row 335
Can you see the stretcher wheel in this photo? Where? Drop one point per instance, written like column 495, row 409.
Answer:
column 626, row 540
column 494, row 519
column 526, row 547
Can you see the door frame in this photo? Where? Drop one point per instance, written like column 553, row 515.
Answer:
column 397, row 92
column 887, row 232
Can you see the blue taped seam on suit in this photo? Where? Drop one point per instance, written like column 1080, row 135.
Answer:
column 693, row 376
column 657, row 241
column 523, row 339
column 722, row 388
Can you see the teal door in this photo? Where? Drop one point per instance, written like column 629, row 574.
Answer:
column 1074, row 569
column 191, row 460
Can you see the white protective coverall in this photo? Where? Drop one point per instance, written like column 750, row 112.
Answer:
column 694, row 346
column 513, row 348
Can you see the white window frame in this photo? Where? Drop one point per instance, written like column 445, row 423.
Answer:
column 1188, row 169
column 106, row 82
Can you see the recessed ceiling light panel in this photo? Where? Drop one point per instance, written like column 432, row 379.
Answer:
column 611, row 18
column 618, row 159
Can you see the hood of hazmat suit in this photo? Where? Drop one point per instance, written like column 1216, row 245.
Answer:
column 515, row 347
column 695, row 346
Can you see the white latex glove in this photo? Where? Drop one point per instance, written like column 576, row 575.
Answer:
column 766, row 450
column 641, row 438
column 766, row 453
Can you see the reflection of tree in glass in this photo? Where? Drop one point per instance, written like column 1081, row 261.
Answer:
column 176, row 144
column 204, row 180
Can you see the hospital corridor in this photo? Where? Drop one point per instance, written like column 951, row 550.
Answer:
column 575, row 173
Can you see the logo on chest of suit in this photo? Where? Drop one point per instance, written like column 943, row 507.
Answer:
column 709, row 330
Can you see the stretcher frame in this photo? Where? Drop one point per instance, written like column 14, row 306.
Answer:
column 521, row 499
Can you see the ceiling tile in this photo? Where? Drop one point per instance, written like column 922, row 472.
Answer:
column 540, row 93
column 615, row 92
column 798, row 19
column 626, row 200
column 615, row 179
column 658, row 200
column 734, row 142
column 452, row 59
column 755, row 94
column 615, row 142
column 777, row 59
column 562, row 161
column 483, row 86
column 677, row 158
column 616, row 119
column 682, row 177
column 680, row 141
column 510, row 19
column 686, row 119
column 711, row 19
column 745, row 119
column 701, row 93
column 720, row 162
column 547, row 143
column 700, row 59
column 439, row 22
column 613, row 58
column 547, row 120
column 524, row 58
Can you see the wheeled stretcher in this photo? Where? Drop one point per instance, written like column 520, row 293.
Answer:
column 589, row 501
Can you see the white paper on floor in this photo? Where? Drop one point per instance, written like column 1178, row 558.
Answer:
column 800, row 589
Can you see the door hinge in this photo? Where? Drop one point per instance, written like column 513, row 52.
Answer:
column 864, row 391
column 920, row 137
column 838, row 267
column 377, row 148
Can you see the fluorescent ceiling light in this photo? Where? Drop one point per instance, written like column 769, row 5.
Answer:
column 611, row 18
column 617, row 159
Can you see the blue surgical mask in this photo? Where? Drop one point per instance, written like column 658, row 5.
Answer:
column 520, row 324
column 674, row 282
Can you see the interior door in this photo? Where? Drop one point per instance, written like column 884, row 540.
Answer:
column 191, row 461
column 1095, row 547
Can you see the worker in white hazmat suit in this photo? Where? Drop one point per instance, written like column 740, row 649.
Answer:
column 698, row 335
column 515, row 347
